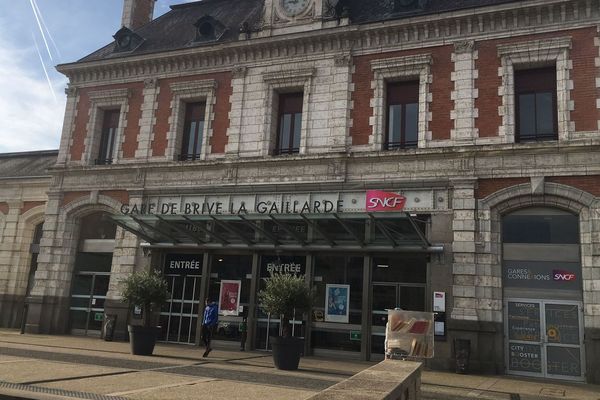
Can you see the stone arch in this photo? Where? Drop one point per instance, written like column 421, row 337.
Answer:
column 489, row 241
column 25, row 231
column 62, row 236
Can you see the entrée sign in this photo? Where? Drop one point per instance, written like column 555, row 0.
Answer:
column 372, row 201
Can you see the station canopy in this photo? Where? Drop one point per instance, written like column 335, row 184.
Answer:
column 350, row 232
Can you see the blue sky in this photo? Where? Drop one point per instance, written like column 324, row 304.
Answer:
column 32, row 98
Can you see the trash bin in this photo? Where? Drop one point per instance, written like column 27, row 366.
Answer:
column 462, row 353
column 108, row 327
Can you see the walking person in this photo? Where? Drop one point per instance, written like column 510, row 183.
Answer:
column 209, row 322
column 243, row 329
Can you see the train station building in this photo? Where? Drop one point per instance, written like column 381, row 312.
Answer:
column 430, row 155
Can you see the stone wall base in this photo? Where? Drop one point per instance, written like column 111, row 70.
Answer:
column 48, row 315
column 592, row 351
column 11, row 310
column 121, row 310
column 487, row 346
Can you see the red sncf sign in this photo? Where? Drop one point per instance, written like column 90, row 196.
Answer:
column 560, row 275
column 378, row 200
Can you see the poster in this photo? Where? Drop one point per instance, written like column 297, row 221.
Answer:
column 337, row 299
column 229, row 297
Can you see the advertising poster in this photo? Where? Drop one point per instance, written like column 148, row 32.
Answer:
column 229, row 297
column 337, row 299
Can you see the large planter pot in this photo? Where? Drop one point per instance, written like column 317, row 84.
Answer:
column 286, row 352
column 142, row 339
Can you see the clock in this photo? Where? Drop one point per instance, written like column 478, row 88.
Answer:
column 294, row 7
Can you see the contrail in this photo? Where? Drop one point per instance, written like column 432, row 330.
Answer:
column 43, row 66
column 39, row 13
column 41, row 30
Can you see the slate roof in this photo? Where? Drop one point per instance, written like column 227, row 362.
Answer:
column 27, row 164
column 175, row 29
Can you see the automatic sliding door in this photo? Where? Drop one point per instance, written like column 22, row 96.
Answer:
column 179, row 316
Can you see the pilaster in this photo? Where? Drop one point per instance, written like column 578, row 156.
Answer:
column 68, row 125
column 148, row 118
column 463, row 246
column 464, row 93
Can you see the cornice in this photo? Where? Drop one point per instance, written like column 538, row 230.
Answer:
column 422, row 31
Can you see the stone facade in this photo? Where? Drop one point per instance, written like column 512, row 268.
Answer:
column 466, row 160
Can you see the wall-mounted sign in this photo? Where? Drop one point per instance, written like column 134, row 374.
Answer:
column 337, row 303
column 542, row 275
column 290, row 203
column 294, row 265
column 229, row 297
column 439, row 301
column 183, row 264
column 378, row 200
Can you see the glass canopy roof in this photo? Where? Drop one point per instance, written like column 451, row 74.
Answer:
column 397, row 232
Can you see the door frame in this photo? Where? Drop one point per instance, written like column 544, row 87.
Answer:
column 398, row 286
column 543, row 339
column 89, row 309
column 195, row 299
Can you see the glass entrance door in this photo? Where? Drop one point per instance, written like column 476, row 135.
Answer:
column 544, row 338
column 87, row 302
column 179, row 315
column 388, row 296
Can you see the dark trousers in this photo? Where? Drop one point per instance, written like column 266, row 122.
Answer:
column 243, row 340
column 206, row 335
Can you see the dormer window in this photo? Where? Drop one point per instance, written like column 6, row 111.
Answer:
column 208, row 29
column 126, row 40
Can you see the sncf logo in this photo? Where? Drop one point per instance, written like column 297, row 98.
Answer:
column 560, row 275
column 378, row 200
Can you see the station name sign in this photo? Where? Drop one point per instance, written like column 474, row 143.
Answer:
column 302, row 203
column 220, row 208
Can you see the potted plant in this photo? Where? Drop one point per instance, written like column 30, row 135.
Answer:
column 147, row 290
column 286, row 295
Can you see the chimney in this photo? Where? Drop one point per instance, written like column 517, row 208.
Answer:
column 137, row 13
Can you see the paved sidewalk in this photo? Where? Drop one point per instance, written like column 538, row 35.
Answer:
column 70, row 367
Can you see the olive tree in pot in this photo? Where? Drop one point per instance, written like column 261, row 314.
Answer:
column 147, row 290
column 286, row 295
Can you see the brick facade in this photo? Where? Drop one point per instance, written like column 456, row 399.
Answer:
column 465, row 174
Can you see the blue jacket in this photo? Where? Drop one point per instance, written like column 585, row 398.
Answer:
column 211, row 315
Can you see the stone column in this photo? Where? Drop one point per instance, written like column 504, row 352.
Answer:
column 339, row 122
column 236, row 114
column 590, row 259
column 9, row 261
column 126, row 258
column 597, row 64
column 464, row 93
column 463, row 247
column 49, row 298
column 68, row 125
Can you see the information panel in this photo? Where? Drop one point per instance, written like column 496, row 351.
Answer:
column 525, row 357
column 564, row 361
column 562, row 323
column 524, row 321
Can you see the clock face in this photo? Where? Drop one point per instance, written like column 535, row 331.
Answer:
column 294, row 7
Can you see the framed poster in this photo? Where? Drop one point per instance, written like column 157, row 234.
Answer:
column 337, row 299
column 229, row 297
